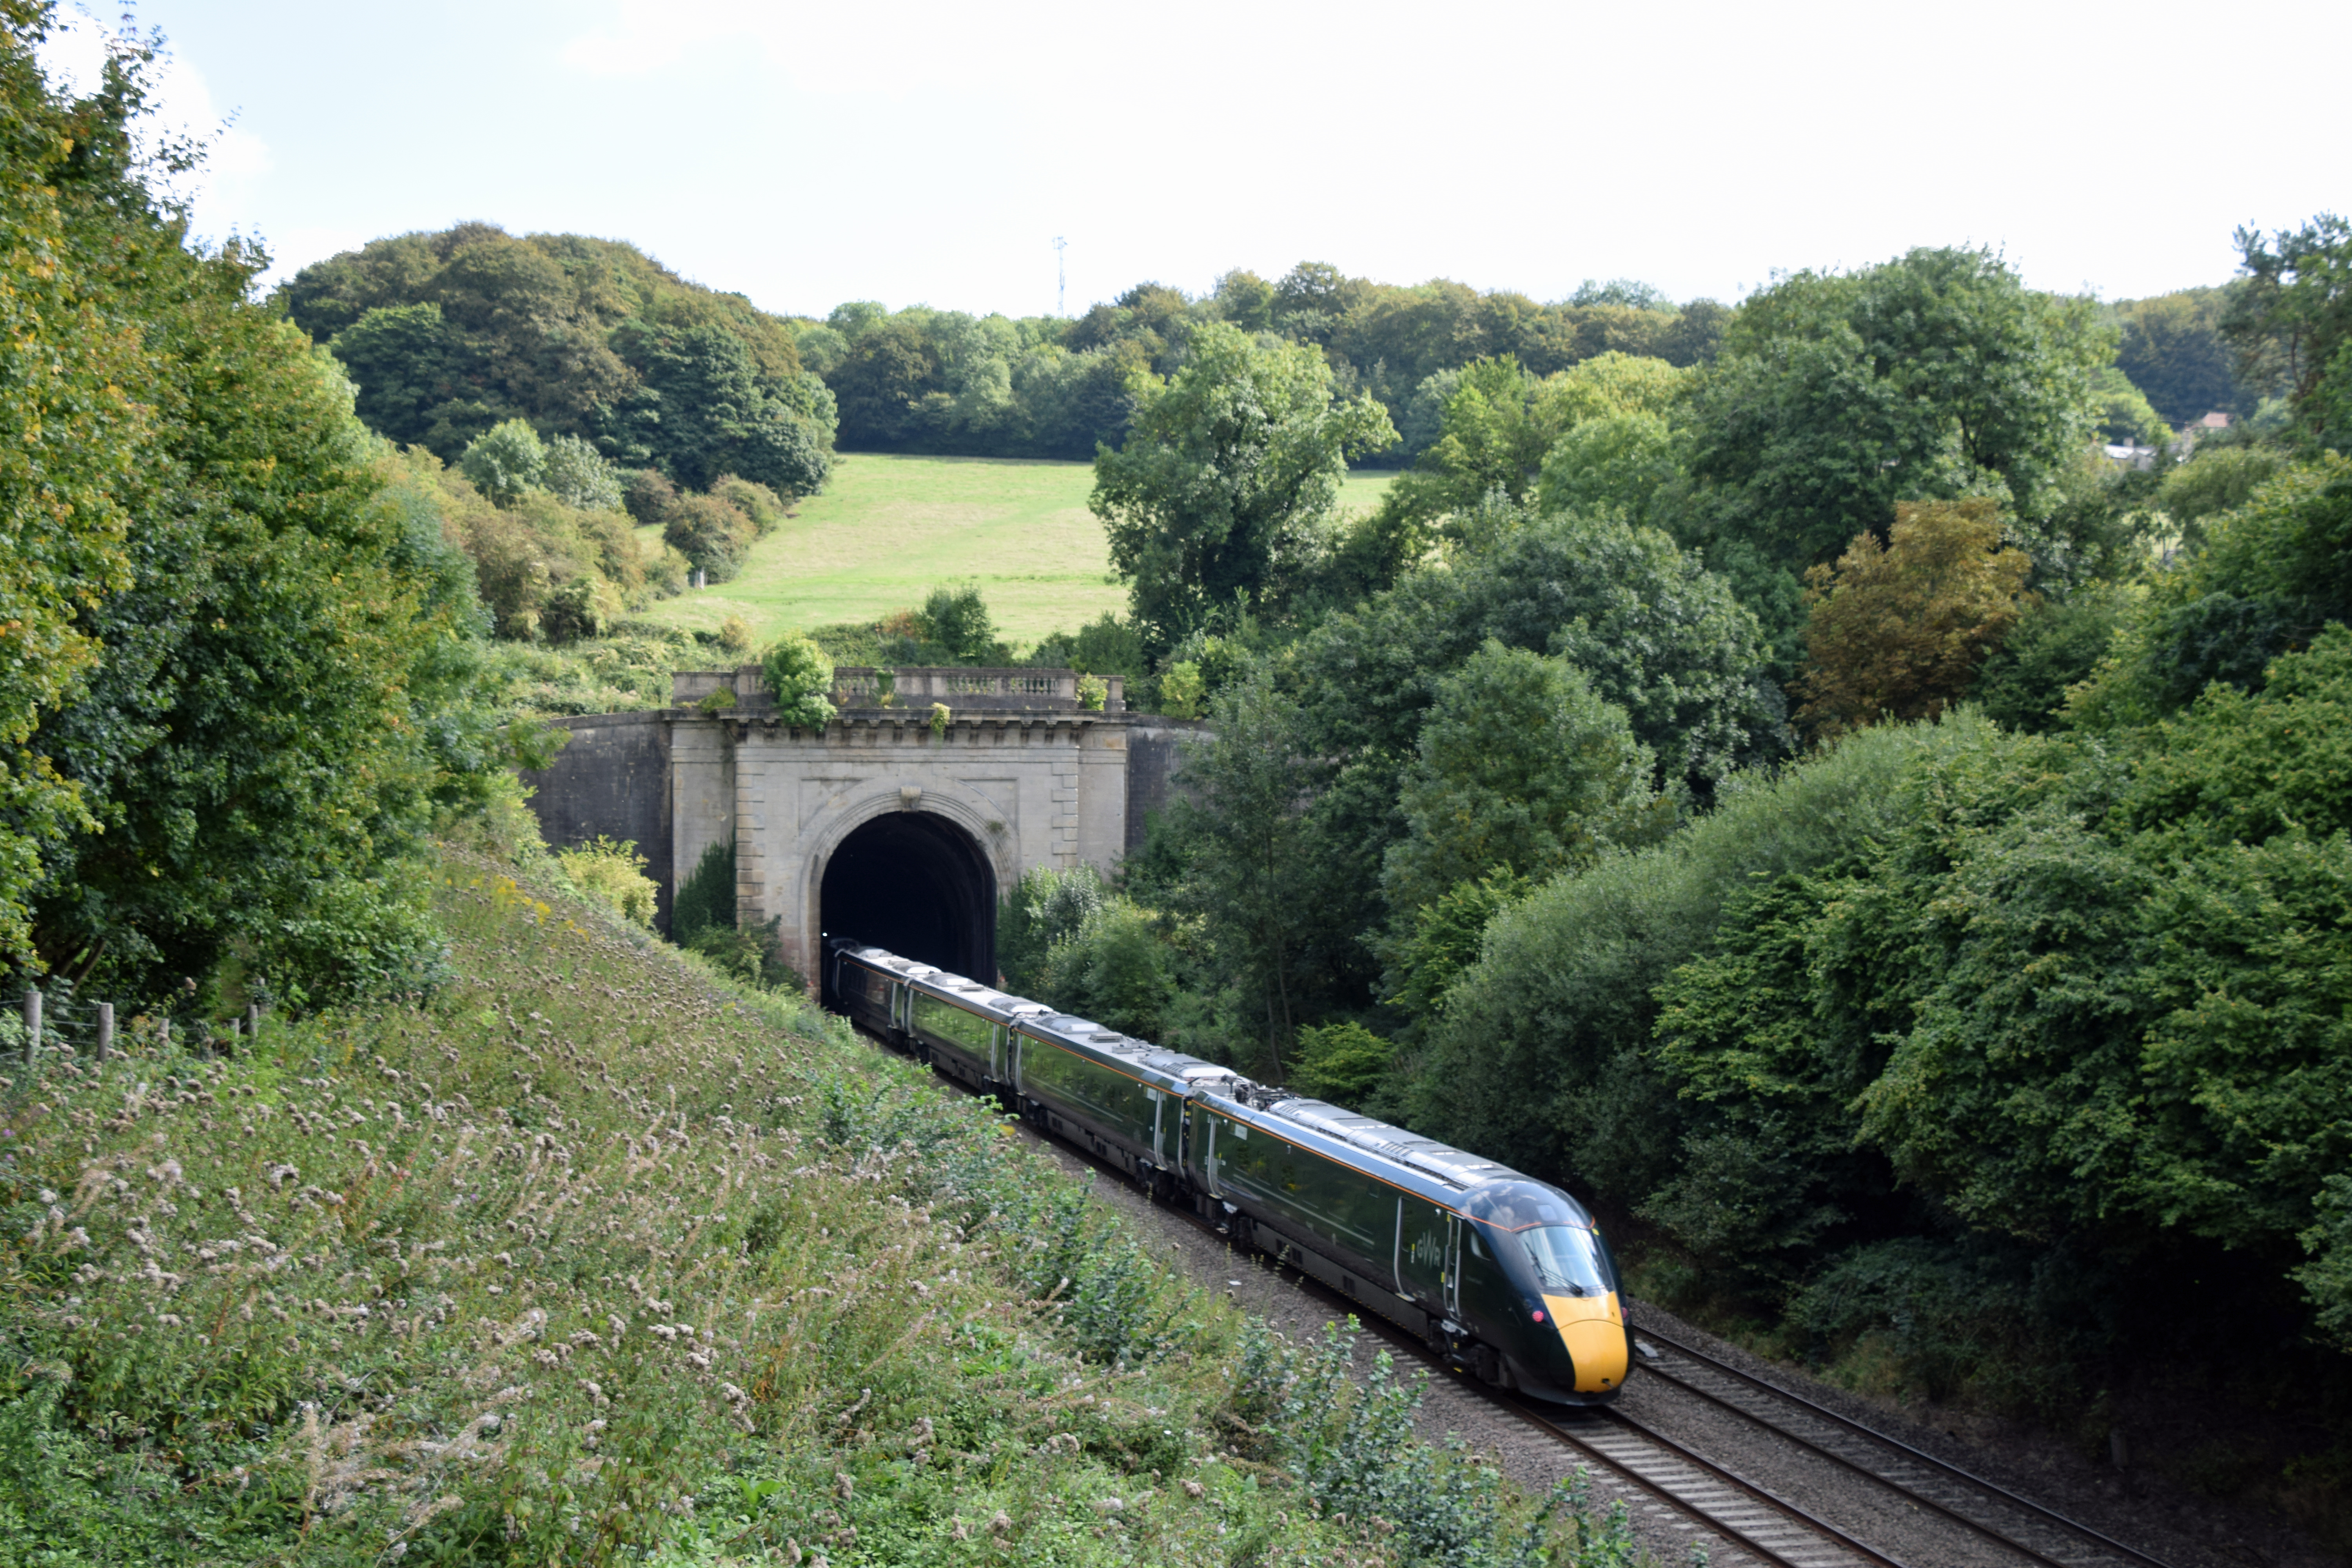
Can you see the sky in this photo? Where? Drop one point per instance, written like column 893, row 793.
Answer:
column 919, row 152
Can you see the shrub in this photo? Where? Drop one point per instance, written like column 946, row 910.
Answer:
column 756, row 502
column 578, row 476
column 712, row 534
column 735, row 636
column 505, row 461
column 800, row 677
column 706, row 897
column 1045, row 907
column 647, row 495
column 1344, row 1063
column 954, row 624
column 1093, row 692
column 614, row 873
column 752, row 954
column 1180, row 690
column 1115, row 969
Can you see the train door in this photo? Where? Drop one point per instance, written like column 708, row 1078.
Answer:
column 1453, row 1266
column 1159, row 1123
column 1209, row 1158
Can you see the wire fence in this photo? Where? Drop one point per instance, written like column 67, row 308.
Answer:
column 56, row 1023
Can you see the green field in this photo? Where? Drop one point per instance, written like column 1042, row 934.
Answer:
column 887, row 528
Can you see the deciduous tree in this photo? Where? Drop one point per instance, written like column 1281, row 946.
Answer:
column 1899, row 629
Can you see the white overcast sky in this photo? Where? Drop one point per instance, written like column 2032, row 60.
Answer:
column 915, row 151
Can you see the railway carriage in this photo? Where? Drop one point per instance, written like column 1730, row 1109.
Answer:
column 1505, row 1276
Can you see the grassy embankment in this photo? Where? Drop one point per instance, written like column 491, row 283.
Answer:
column 888, row 529
column 586, row 1258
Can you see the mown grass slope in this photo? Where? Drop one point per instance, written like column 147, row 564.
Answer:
column 887, row 528
column 583, row 1258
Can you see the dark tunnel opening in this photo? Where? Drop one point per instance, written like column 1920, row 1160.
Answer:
column 917, row 885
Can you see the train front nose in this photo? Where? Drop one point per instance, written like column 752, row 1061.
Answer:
column 1592, row 1328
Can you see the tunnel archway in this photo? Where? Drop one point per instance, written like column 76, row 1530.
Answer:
column 915, row 883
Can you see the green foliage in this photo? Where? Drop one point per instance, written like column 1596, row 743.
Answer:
column 1343, row 1062
column 287, row 695
column 2124, row 413
column 2273, row 572
column 505, row 461
column 1613, row 466
column 1519, row 765
column 2290, row 323
column 448, row 334
column 707, row 897
column 1116, row 967
column 955, row 620
column 799, row 678
column 2218, row 478
column 647, row 495
column 752, row 955
column 2054, row 646
column 2172, row 349
column 1045, row 907
column 1930, row 377
column 1446, row 938
column 1225, row 482
column 577, row 475
column 1538, row 1057
column 614, row 873
column 1093, row 691
column 756, row 502
column 1180, row 690
column 67, row 425
column 710, row 531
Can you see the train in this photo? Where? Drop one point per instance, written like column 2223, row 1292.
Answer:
column 1502, row 1277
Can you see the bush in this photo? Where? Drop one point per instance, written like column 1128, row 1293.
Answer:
column 1115, row 969
column 505, row 461
column 578, row 476
column 756, row 502
column 735, row 636
column 1045, row 907
column 706, row 897
column 614, row 873
column 954, row 621
column 752, row 954
column 800, row 677
column 712, row 534
column 647, row 495
column 1344, row 1063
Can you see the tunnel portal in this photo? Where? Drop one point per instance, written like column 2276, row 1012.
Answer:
column 918, row 885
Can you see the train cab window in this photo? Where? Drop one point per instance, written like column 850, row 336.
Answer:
column 1476, row 1250
column 1567, row 1259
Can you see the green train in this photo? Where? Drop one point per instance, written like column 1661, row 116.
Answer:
column 1504, row 1276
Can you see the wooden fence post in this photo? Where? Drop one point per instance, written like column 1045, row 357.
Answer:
column 32, row 1024
column 105, row 1030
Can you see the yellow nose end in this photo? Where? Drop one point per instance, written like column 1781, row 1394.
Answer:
column 1593, row 1330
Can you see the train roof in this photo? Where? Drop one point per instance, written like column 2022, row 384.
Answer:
column 1485, row 1188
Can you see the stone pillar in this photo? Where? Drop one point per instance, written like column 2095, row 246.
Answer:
column 105, row 1030
column 750, row 833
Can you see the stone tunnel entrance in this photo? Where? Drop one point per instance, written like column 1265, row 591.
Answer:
column 915, row 883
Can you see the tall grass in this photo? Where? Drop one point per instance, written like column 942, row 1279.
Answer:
column 584, row 1259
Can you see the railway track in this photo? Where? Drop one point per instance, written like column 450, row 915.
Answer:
column 1741, row 1511
column 2020, row 1527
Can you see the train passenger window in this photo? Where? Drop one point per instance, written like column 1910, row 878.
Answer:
column 1567, row 1259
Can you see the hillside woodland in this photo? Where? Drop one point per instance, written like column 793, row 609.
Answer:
column 1765, row 767
column 1892, row 856
column 511, row 1235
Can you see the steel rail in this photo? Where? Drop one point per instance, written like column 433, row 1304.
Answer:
column 1907, row 1493
column 2027, row 1505
column 1697, row 1510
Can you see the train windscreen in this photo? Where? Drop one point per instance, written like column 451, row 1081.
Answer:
column 1567, row 1259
